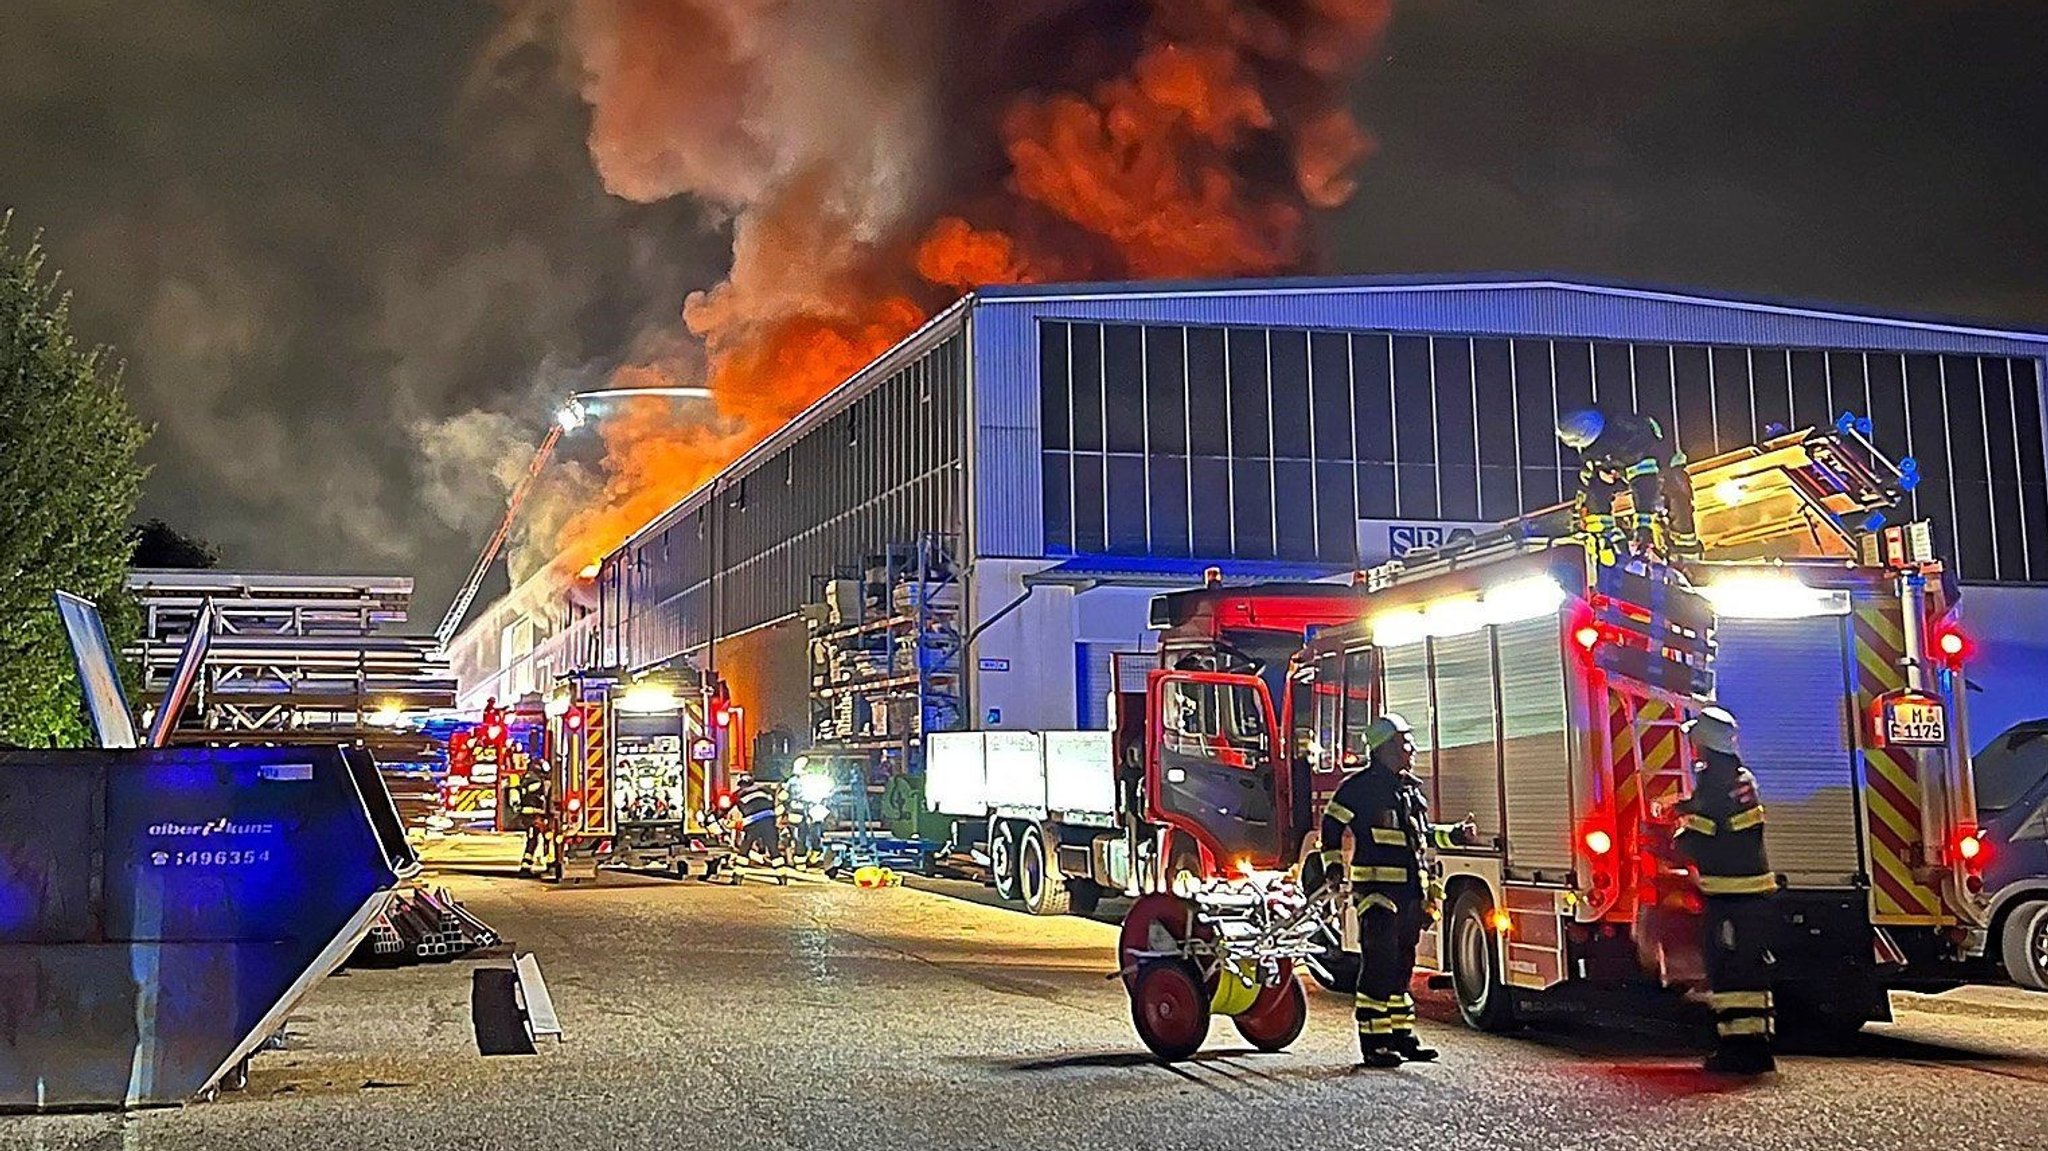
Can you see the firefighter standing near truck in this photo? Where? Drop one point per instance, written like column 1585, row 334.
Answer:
column 526, row 795
column 1384, row 808
column 1721, row 831
column 1631, row 451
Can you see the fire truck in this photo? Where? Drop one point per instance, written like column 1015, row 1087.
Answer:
column 639, row 768
column 1548, row 683
column 479, row 755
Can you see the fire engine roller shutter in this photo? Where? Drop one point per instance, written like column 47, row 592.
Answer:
column 1467, row 751
column 1407, row 695
column 1535, row 749
column 1786, row 680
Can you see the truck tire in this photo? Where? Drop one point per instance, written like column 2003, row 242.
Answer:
column 2024, row 946
column 1484, row 1000
column 1002, row 859
column 1038, row 874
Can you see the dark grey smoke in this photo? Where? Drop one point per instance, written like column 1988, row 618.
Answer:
column 353, row 250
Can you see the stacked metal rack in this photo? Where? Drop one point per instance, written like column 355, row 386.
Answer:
column 885, row 668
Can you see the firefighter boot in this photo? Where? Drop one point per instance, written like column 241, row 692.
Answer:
column 1379, row 1057
column 1411, row 1050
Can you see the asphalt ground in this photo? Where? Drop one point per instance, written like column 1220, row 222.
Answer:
column 821, row 1016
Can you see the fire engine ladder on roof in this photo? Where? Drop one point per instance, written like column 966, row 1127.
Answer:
column 1809, row 494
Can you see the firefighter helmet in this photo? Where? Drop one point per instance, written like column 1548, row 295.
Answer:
column 1579, row 429
column 744, row 781
column 1385, row 728
column 1715, row 729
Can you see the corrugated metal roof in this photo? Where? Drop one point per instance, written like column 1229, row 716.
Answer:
column 1514, row 305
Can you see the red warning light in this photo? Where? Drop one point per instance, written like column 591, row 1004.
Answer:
column 1599, row 842
column 1587, row 637
column 573, row 719
column 1953, row 646
column 1972, row 849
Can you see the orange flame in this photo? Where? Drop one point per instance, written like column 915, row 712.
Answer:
column 1205, row 153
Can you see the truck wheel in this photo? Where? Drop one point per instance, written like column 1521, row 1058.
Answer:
column 2024, row 946
column 1002, row 860
column 1044, row 888
column 1170, row 1009
column 1483, row 997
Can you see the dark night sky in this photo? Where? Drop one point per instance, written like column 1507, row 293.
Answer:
column 313, row 228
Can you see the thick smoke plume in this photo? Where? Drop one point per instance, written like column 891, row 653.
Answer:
column 874, row 159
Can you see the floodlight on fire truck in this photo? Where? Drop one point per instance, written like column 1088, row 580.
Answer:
column 1522, row 599
column 647, row 699
column 1760, row 595
column 1457, row 615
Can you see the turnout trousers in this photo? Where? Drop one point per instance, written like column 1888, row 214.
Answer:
column 1389, row 927
column 1738, row 961
column 760, row 839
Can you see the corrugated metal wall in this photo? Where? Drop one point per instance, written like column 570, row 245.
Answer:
column 1535, row 308
column 1797, row 356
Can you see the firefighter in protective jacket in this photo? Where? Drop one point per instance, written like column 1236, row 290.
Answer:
column 1387, row 814
column 1721, row 831
column 754, row 809
column 1632, row 451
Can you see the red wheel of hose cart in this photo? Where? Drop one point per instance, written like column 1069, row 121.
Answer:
column 1155, row 923
column 1276, row 1018
column 1170, row 1008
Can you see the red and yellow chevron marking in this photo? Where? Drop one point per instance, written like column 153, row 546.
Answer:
column 696, row 793
column 597, row 794
column 1891, row 776
column 469, row 800
column 1621, row 738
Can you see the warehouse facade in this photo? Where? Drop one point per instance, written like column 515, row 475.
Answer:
column 1085, row 446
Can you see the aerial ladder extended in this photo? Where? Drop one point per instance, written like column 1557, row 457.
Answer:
column 571, row 416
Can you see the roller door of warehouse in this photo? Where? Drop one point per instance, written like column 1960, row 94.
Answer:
column 1787, row 682
column 1094, row 680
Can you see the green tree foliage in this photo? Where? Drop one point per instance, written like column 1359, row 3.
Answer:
column 159, row 545
column 68, row 484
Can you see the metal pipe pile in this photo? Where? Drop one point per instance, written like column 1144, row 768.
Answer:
column 422, row 925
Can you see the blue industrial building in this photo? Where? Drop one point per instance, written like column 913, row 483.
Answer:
column 1086, row 445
